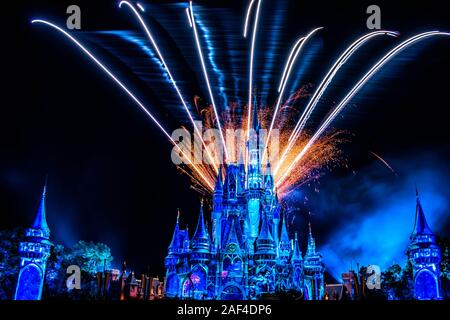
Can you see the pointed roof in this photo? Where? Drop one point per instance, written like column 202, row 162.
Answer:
column 264, row 233
column 40, row 222
column 200, row 240
column 219, row 182
column 421, row 225
column 284, row 237
column 174, row 244
column 186, row 235
column 201, row 231
column 311, row 250
column 297, row 255
column 232, row 235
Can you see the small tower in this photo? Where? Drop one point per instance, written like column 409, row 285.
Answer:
column 297, row 265
column 217, row 211
column 34, row 252
column 425, row 256
column 201, row 243
column 265, row 245
column 313, row 270
column 284, row 245
column 172, row 261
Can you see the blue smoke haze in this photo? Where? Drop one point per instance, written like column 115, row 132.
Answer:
column 370, row 214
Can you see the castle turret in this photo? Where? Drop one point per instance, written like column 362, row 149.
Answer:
column 284, row 246
column 200, row 241
column 34, row 252
column 425, row 257
column 217, row 211
column 265, row 245
column 313, row 269
column 176, row 245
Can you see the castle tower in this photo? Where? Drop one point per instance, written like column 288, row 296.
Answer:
column 195, row 285
column 313, row 269
column 34, row 252
column 217, row 211
column 201, row 242
column 172, row 260
column 255, row 183
column 425, row 256
column 265, row 245
column 284, row 245
column 297, row 265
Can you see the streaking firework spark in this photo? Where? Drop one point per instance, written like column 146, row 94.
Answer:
column 252, row 55
column 207, row 181
column 384, row 162
column 355, row 90
column 304, row 154
column 205, row 73
column 323, row 86
column 155, row 46
column 284, row 78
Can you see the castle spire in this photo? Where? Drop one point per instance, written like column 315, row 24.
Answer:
column 40, row 222
column 264, row 242
column 297, row 255
column 265, row 232
column 311, row 250
column 421, row 225
column 200, row 240
column 232, row 235
column 174, row 244
column 186, row 239
column 284, row 238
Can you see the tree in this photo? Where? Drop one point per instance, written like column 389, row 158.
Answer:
column 9, row 261
column 89, row 256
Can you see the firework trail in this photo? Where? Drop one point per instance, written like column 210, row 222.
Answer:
column 205, row 179
column 384, row 162
column 155, row 46
column 323, row 86
column 304, row 154
column 252, row 54
column 353, row 91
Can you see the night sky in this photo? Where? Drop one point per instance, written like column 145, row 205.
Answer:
column 110, row 177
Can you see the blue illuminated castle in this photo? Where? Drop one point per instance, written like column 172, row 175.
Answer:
column 425, row 256
column 248, row 254
column 34, row 252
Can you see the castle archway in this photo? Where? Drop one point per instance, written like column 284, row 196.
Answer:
column 232, row 292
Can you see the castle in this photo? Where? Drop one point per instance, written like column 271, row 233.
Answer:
column 248, row 253
column 34, row 252
column 244, row 257
column 425, row 256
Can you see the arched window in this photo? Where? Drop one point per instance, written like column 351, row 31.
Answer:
column 425, row 286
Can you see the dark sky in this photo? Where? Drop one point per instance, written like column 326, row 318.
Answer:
column 110, row 177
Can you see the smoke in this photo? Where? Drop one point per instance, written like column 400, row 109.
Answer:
column 370, row 214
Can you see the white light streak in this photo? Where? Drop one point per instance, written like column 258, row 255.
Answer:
column 354, row 90
column 124, row 88
column 205, row 73
column 322, row 87
column 155, row 46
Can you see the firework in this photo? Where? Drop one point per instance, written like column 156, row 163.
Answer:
column 305, row 154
